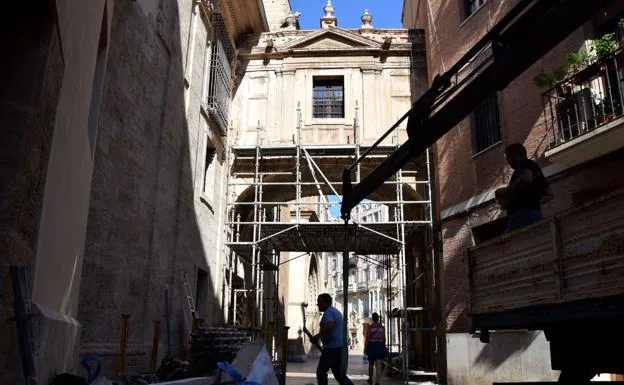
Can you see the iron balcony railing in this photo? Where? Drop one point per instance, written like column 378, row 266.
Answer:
column 591, row 97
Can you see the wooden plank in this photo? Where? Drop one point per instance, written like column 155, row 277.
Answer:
column 556, row 242
column 515, row 271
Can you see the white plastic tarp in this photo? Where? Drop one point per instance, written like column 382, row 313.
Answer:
column 252, row 363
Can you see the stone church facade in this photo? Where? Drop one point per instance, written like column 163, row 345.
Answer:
column 365, row 74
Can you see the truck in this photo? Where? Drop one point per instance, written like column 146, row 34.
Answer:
column 563, row 275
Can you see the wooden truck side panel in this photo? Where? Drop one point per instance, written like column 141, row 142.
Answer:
column 576, row 255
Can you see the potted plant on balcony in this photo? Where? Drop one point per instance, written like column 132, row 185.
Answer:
column 608, row 109
column 584, row 64
column 549, row 79
column 606, row 46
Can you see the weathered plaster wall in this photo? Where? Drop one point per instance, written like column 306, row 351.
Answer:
column 156, row 214
column 54, row 68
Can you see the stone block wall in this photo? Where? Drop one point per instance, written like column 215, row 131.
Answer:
column 152, row 224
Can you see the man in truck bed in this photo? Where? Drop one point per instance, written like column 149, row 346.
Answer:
column 526, row 191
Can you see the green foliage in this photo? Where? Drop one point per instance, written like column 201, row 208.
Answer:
column 578, row 60
column 549, row 79
column 606, row 45
column 603, row 47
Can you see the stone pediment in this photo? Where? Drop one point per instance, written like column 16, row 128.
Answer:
column 331, row 38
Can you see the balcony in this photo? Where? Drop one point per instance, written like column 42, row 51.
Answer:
column 584, row 113
column 362, row 286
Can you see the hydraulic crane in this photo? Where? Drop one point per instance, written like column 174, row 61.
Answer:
column 524, row 35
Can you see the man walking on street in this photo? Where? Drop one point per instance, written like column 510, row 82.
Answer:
column 527, row 189
column 331, row 336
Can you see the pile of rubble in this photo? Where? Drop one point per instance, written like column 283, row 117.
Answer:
column 215, row 344
column 208, row 346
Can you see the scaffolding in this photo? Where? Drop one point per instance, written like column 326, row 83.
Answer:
column 279, row 201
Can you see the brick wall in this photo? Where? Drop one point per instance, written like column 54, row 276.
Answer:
column 462, row 174
column 570, row 188
column 456, row 237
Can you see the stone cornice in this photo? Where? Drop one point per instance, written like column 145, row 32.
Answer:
column 324, row 52
column 357, row 39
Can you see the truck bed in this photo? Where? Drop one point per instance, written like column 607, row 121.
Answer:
column 568, row 261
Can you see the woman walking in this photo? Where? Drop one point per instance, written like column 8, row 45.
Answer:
column 375, row 348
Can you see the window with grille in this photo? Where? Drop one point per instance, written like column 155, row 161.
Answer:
column 328, row 98
column 473, row 6
column 219, row 87
column 486, row 124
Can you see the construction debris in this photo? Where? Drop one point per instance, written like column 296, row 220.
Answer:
column 208, row 346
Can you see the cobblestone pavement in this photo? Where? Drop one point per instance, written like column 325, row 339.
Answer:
column 305, row 373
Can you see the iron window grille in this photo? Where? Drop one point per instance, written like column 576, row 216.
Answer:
column 486, row 124
column 328, row 98
column 220, row 88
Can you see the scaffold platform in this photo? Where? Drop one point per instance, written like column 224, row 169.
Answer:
column 285, row 197
column 282, row 158
column 364, row 239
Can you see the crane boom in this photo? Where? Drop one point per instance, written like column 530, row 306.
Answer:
column 524, row 35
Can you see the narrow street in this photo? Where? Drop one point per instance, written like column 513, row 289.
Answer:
column 305, row 373
column 189, row 183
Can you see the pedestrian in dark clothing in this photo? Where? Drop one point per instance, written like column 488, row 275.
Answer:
column 332, row 338
column 375, row 349
column 526, row 191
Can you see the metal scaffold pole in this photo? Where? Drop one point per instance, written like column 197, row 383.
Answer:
column 298, row 165
column 276, row 303
column 261, row 274
column 388, row 266
column 402, row 279
column 226, row 265
column 255, row 254
column 345, row 298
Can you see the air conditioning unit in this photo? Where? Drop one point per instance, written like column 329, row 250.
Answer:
column 576, row 114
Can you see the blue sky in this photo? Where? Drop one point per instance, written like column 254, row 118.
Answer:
column 334, row 211
column 386, row 13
